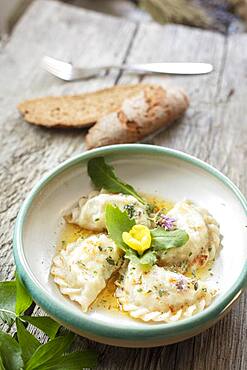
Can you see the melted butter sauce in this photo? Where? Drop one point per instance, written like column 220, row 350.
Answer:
column 106, row 300
column 201, row 273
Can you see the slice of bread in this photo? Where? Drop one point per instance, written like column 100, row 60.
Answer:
column 150, row 110
column 78, row 110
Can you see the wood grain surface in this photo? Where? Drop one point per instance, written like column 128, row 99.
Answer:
column 214, row 129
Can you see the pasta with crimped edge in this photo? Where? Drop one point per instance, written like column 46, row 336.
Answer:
column 204, row 238
column 82, row 269
column 160, row 294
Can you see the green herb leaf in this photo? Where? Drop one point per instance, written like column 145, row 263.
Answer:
column 23, row 299
column 103, row 176
column 52, row 350
column 163, row 239
column 73, row 361
column 44, row 323
column 149, row 258
column 116, row 223
column 1, row 362
column 7, row 301
column 27, row 341
column 10, row 352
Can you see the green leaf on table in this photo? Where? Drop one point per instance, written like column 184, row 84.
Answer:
column 52, row 350
column 27, row 341
column 10, row 352
column 7, row 301
column 164, row 239
column 73, row 361
column 1, row 362
column 103, row 176
column 23, row 299
column 44, row 323
column 116, row 223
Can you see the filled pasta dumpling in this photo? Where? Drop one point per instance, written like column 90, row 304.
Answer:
column 82, row 269
column 160, row 294
column 90, row 212
column 204, row 238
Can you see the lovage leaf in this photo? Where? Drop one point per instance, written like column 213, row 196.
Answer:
column 164, row 239
column 44, row 323
column 23, row 299
column 10, row 352
column 7, row 301
column 73, row 361
column 27, row 341
column 2, row 367
column 52, row 350
column 103, row 176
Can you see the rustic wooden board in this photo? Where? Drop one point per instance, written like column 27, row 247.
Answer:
column 214, row 129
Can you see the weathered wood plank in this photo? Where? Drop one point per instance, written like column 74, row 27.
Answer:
column 28, row 152
column 214, row 129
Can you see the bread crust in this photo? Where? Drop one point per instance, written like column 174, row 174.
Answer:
column 149, row 110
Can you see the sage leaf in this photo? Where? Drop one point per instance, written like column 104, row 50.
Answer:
column 51, row 350
column 27, row 341
column 7, row 301
column 72, row 361
column 23, row 299
column 103, row 176
column 10, row 352
column 44, row 323
column 164, row 239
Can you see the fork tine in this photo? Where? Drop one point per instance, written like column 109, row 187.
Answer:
column 58, row 68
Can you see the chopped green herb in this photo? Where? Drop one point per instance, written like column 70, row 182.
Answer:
column 130, row 210
column 110, row 261
column 139, row 290
column 81, row 264
column 150, row 208
column 161, row 292
column 195, row 285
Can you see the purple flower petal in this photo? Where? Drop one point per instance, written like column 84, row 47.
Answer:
column 166, row 222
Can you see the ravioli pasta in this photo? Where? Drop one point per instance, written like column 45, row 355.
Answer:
column 182, row 240
column 82, row 269
column 160, row 294
column 90, row 212
column 204, row 238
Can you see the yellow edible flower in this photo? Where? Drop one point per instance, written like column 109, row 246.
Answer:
column 138, row 238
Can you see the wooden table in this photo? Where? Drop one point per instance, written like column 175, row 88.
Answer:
column 214, row 129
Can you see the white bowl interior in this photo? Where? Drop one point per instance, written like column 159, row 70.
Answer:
column 168, row 177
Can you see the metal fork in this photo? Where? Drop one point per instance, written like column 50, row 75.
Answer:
column 68, row 72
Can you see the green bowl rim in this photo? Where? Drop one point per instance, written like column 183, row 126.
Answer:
column 82, row 322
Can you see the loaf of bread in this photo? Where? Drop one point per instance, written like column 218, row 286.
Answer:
column 78, row 110
column 150, row 109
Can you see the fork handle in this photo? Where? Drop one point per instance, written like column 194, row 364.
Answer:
column 166, row 68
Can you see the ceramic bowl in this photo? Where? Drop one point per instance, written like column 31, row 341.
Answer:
column 159, row 171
